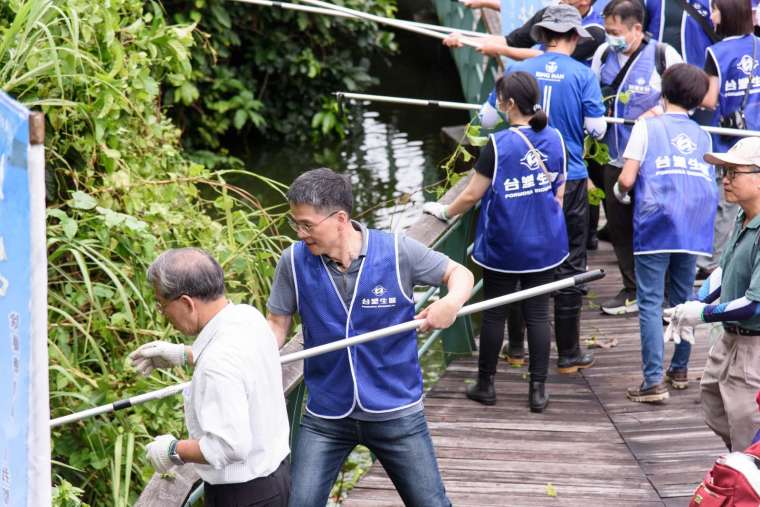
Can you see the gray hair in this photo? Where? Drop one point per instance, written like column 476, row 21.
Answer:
column 323, row 189
column 187, row 271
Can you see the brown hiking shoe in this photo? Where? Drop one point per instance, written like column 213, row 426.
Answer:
column 654, row 394
column 515, row 358
column 679, row 379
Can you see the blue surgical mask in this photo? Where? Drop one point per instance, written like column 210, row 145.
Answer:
column 617, row 43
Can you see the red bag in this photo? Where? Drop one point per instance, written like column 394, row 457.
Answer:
column 734, row 481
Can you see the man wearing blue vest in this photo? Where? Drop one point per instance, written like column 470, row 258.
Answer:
column 343, row 280
column 573, row 101
column 629, row 67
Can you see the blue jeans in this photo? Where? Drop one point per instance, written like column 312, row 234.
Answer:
column 650, row 285
column 402, row 445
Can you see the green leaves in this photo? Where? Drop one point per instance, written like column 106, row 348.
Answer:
column 81, row 200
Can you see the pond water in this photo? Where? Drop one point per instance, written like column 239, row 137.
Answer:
column 391, row 150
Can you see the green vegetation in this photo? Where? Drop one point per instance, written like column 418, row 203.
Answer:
column 122, row 187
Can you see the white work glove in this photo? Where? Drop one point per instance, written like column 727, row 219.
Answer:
column 621, row 196
column 683, row 318
column 438, row 210
column 690, row 313
column 157, row 354
column 157, row 453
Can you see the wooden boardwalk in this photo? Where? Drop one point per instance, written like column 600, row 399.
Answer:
column 591, row 447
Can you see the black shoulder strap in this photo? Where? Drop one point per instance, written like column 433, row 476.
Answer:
column 660, row 58
column 620, row 75
column 696, row 16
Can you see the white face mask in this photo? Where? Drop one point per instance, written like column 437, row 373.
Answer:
column 617, row 43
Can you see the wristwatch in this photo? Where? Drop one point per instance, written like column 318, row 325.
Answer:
column 173, row 455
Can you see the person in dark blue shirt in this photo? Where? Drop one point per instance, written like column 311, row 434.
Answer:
column 521, row 236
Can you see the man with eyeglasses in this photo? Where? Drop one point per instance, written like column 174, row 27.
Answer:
column 344, row 279
column 234, row 407
column 731, row 295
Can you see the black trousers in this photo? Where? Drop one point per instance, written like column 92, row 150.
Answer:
column 270, row 491
column 620, row 226
column 535, row 312
column 575, row 207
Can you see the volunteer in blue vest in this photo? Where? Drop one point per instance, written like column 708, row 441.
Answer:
column 688, row 29
column 731, row 295
column 343, row 279
column 673, row 216
column 571, row 98
column 734, row 96
column 629, row 67
column 520, row 237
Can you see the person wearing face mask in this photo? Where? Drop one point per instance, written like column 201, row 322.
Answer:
column 672, row 219
column 629, row 67
column 521, row 236
column 734, row 96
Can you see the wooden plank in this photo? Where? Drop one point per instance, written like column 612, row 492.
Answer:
column 592, row 444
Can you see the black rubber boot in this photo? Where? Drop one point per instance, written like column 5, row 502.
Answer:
column 483, row 391
column 567, row 329
column 537, row 397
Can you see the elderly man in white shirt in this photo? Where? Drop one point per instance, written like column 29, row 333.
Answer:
column 234, row 408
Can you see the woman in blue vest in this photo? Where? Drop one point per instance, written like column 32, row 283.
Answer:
column 732, row 65
column 673, row 218
column 521, row 235
column 734, row 92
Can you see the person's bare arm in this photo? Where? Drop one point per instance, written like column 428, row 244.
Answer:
column 280, row 325
column 441, row 314
column 474, row 191
column 480, row 4
column 628, row 176
column 711, row 98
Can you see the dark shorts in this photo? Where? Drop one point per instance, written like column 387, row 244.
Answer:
column 270, row 491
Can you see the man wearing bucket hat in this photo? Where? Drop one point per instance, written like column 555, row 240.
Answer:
column 732, row 374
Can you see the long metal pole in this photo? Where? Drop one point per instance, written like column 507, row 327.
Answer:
column 387, row 21
column 470, row 106
column 332, row 12
column 341, row 344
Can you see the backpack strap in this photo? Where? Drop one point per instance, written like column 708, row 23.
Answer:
column 660, row 60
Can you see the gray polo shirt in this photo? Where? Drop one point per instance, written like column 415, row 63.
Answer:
column 741, row 267
column 418, row 265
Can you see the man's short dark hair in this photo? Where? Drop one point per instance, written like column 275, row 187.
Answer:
column 630, row 12
column 187, row 272
column 325, row 190
column 684, row 85
column 546, row 36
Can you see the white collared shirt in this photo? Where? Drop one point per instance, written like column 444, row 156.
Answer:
column 235, row 406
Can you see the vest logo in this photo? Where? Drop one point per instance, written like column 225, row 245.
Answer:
column 684, row 144
column 747, row 64
column 551, row 67
column 379, row 299
column 531, row 159
column 641, row 81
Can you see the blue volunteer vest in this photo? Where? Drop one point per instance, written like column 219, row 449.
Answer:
column 737, row 70
column 693, row 38
column 382, row 375
column 521, row 227
column 676, row 195
column 636, row 84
